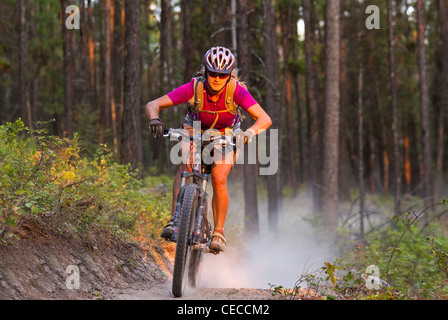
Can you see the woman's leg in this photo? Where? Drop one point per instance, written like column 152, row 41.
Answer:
column 220, row 201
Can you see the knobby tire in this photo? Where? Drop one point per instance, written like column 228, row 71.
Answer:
column 187, row 217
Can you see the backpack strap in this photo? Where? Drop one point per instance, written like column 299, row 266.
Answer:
column 196, row 103
column 231, row 105
column 230, row 91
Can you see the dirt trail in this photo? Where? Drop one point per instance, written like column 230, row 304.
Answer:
column 163, row 292
column 35, row 267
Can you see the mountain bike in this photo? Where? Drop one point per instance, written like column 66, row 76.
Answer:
column 192, row 229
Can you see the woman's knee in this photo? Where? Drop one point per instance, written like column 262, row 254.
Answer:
column 219, row 180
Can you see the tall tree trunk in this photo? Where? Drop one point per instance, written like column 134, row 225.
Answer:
column 296, row 74
column 113, row 105
column 118, row 69
column 373, row 163
column 271, row 89
column 166, row 49
column 394, row 108
column 132, row 140
column 303, row 147
column 68, row 65
column 85, row 98
column 166, row 70
column 313, row 119
column 331, row 117
column 187, row 39
column 383, row 147
column 91, row 45
column 107, row 106
column 251, row 221
column 25, row 109
column 344, row 186
column 148, row 56
column 443, row 27
column 424, row 104
column 360, row 151
column 233, row 23
column 407, row 159
column 286, row 15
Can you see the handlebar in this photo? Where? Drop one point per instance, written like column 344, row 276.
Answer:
column 181, row 134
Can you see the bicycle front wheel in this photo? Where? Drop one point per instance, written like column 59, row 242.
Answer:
column 187, row 217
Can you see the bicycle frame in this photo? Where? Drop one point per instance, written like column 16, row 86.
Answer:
column 199, row 174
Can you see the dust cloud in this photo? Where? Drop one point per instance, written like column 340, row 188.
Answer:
column 268, row 259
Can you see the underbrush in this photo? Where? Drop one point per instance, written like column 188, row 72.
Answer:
column 405, row 259
column 43, row 175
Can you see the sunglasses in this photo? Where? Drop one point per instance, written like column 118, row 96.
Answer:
column 217, row 74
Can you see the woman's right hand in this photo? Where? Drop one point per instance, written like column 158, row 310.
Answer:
column 156, row 127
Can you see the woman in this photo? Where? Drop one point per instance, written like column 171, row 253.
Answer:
column 219, row 65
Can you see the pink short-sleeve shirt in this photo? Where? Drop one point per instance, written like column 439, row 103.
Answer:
column 226, row 119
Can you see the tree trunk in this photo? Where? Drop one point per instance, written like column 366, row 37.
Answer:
column 296, row 74
column 187, row 39
column 107, row 106
column 271, row 89
column 394, row 108
column 407, row 159
column 68, row 76
column 344, row 186
column 117, row 71
column 24, row 108
column 132, row 141
column 311, row 96
column 383, row 147
column 424, row 104
column 251, row 221
column 443, row 25
column 166, row 69
column 113, row 105
column 91, row 45
column 286, row 18
column 360, row 151
column 331, row 117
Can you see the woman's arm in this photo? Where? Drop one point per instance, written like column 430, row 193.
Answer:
column 262, row 119
column 153, row 107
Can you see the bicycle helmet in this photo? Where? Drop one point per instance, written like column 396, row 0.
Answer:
column 219, row 59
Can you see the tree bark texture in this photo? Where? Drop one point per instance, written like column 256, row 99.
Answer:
column 424, row 104
column 68, row 67
column 132, row 140
column 273, row 108
column 311, row 97
column 331, row 117
column 251, row 221
column 393, row 100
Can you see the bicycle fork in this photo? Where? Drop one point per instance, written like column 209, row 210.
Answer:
column 202, row 204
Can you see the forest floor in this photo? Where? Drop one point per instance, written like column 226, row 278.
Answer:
column 34, row 265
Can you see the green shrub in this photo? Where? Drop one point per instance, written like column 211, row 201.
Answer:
column 45, row 175
column 411, row 257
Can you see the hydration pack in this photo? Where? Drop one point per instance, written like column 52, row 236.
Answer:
column 196, row 103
